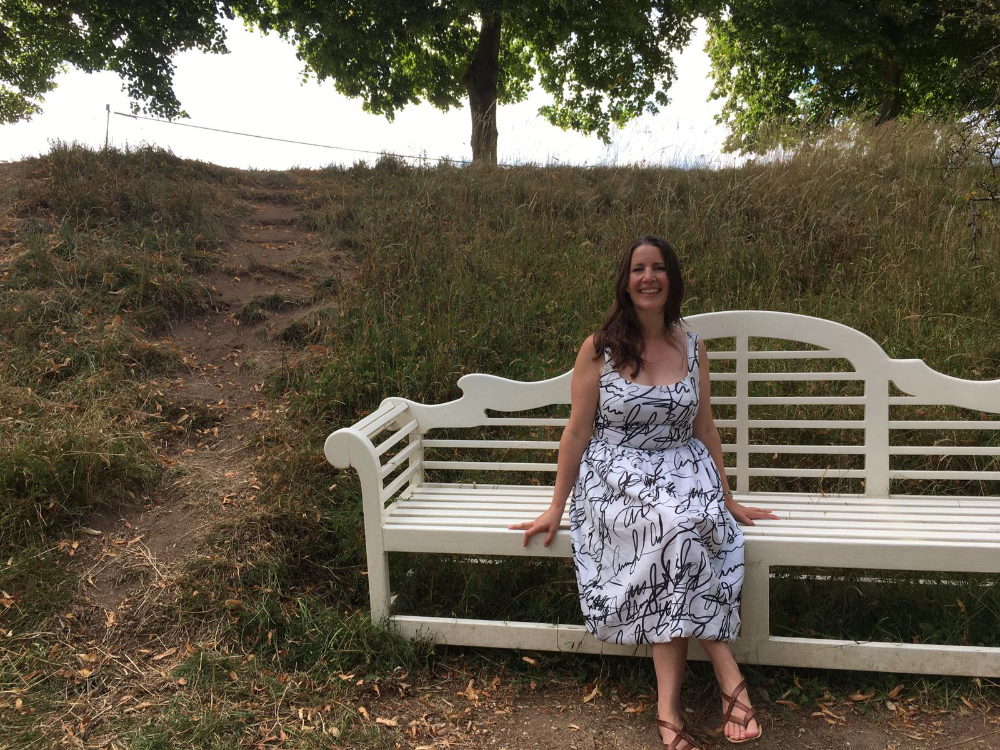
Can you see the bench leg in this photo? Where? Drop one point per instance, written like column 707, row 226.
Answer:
column 754, row 609
column 378, row 585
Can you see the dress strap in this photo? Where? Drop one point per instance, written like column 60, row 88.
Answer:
column 692, row 352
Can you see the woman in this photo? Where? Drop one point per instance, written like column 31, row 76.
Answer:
column 658, row 554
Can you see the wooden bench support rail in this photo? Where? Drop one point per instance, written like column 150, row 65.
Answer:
column 815, row 653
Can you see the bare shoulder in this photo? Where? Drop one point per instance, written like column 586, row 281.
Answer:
column 587, row 361
column 587, row 351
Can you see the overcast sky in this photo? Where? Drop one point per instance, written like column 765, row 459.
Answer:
column 257, row 89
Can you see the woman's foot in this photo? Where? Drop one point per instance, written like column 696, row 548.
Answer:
column 739, row 722
column 674, row 736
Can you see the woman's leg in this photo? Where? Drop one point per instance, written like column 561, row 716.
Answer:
column 727, row 672
column 670, row 661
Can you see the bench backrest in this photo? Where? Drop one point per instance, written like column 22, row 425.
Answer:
column 803, row 405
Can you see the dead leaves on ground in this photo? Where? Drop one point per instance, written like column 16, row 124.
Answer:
column 909, row 715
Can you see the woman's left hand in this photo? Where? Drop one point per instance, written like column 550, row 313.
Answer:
column 746, row 515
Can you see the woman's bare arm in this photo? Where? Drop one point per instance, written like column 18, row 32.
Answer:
column 584, row 393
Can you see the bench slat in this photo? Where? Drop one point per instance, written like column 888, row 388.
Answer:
column 791, row 400
column 827, row 511
column 942, row 424
column 396, row 461
column 468, row 528
column 375, row 426
column 399, row 481
column 946, row 522
column 456, row 488
column 798, row 354
column 787, row 376
column 398, row 435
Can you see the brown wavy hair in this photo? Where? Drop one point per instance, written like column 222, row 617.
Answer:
column 620, row 331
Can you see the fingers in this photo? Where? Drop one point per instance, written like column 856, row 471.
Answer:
column 548, row 537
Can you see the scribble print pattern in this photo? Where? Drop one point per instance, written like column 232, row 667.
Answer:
column 657, row 554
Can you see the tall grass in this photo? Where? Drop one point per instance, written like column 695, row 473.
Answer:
column 507, row 271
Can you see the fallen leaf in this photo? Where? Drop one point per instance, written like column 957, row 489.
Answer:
column 593, row 694
column 857, row 696
column 95, row 532
column 363, row 711
column 529, row 660
column 388, row 722
column 169, row 652
column 470, row 693
column 788, row 704
column 895, row 691
column 966, row 701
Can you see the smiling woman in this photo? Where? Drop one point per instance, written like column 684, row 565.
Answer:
column 656, row 546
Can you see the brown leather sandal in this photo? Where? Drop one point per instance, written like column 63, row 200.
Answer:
column 748, row 714
column 680, row 735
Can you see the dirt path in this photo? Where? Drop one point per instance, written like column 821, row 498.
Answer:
column 269, row 279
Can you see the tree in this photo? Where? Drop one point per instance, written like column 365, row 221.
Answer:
column 604, row 62
column 780, row 64
column 135, row 40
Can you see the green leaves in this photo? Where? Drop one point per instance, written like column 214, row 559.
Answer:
column 135, row 41
column 604, row 63
column 783, row 65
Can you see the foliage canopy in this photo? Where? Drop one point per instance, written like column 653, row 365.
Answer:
column 136, row 41
column 782, row 64
column 603, row 63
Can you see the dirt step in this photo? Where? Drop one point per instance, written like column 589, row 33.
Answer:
column 270, row 195
column 272, row 215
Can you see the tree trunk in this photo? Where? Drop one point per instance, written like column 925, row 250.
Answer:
column 481, row 82
column 892, row 102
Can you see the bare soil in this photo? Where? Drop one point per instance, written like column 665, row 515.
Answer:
column 129, row 554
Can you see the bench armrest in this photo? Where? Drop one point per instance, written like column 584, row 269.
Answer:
column 353, row 447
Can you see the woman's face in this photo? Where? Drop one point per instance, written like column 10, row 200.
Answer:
column 647, row 283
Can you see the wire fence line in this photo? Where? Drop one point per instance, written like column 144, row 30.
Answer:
column 300, row 143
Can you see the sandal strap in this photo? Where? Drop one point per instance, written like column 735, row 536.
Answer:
column 680, row 735
column 748, row 712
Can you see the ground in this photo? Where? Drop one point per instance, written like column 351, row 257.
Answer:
column 570, row 716
column 264, row 286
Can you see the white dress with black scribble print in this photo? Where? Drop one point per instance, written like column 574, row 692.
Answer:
column 657, row 554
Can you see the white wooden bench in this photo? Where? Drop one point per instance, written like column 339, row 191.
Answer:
column 886, row 429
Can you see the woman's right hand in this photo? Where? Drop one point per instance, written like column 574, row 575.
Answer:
column 548, row 522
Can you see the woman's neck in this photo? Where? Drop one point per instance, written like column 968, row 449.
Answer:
column 652, row 325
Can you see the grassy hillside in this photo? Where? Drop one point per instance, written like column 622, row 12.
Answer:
column 459, row 270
